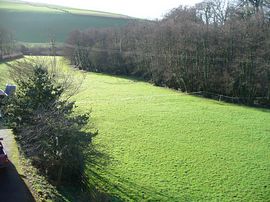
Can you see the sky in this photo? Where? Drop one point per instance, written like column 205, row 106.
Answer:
column 149, row 9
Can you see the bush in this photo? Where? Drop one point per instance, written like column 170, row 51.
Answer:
column 44, row 122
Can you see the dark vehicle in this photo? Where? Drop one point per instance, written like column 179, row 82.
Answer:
column 3, row 156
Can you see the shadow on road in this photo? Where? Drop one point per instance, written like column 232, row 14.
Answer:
column 12, row 186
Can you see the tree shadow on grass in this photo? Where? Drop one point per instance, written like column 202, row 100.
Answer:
column 12, row 186
column 82, row 190
column 129, row 78
column 96, row 184
column 100, row 185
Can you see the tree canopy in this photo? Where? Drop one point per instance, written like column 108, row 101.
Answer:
column 217, row 47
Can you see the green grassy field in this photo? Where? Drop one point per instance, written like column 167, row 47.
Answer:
column 169, row 146
column 37, row 23
column 163, row 145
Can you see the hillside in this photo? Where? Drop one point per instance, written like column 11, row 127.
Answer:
column 37, row 23
column 158, row 144
column 164, row 145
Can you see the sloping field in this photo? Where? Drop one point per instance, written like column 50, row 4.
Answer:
column 169, row 146
column 161, row 145
column 38, row 23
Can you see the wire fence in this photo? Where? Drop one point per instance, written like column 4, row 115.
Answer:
column 256, row 101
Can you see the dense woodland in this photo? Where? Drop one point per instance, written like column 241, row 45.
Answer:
column 216, row 47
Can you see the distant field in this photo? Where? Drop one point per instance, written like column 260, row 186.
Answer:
column 36, row 23
column 163, row 145
column 47, row 8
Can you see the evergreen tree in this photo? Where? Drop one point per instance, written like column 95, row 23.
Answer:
column 45, row 125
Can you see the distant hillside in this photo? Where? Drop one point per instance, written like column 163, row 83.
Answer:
column 36, row 23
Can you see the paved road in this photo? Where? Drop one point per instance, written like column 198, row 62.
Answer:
column 12, row 187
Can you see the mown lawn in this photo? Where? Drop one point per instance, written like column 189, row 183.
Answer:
column 163, row 145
